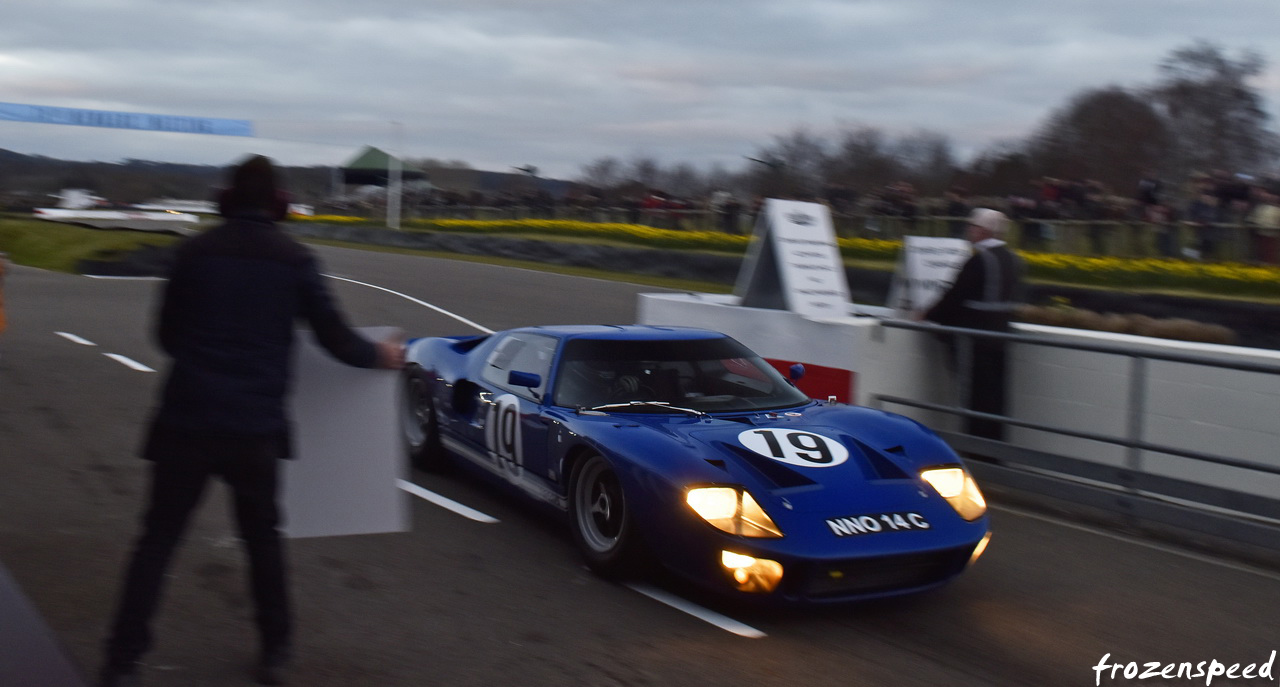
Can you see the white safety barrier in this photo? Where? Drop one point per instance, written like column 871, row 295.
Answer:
column 1214, row 411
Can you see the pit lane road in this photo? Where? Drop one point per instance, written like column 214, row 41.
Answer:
column 460, row 602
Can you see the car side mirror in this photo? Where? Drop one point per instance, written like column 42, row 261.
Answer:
column 796, row 373
column 526, row 379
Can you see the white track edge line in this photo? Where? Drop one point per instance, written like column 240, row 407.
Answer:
column 704, row 614
column 446, row 503
column 128, row 362
column 424, row 304
column 76, row 339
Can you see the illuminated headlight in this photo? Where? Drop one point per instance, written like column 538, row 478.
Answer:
column 958, row 488
column 732, row 510
column 752, row 574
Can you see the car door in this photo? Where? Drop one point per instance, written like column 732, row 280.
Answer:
column 511, row 427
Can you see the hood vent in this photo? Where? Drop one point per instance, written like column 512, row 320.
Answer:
column 882, row 467
column 778, row 473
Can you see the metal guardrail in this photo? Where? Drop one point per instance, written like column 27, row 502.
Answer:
column 1131, row 491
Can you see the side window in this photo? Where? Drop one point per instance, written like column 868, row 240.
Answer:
column 521, row 352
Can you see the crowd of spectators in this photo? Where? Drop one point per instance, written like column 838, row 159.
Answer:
column 1195, row 220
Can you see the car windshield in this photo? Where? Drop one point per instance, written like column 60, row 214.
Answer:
column 708, row 375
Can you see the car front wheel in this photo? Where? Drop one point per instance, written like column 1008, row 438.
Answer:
column 601, row 517
column 418, row 422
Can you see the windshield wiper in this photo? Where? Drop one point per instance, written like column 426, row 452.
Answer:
column 632, row 404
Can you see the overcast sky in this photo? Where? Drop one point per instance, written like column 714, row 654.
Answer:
column 559, row 83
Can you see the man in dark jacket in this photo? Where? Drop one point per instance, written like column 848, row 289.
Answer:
column 983, row 296
column 227, row 321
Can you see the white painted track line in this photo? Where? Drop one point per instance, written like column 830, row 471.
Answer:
column 706, row 615
column 446, row 503
column 424, row 304
column 76, row 339
column 128, row 362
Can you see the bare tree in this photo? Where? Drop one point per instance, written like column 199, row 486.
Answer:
column 863, row 160
column 682, row 179
column 1216, row 116
column 643, row 170
column 926, row 160
column 1003, row 169
column 793, row 166
column 1108, row 134
column 720, row 177
column 603, row 172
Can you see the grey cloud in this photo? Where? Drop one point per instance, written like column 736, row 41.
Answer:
column 557, row 83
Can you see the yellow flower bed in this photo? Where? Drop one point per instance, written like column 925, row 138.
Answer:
column 329, row 219
column 630, row 233
column 1216, row 277
column 1164, row 273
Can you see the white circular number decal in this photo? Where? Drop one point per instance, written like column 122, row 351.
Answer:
column 502, row 434
column 795, row 447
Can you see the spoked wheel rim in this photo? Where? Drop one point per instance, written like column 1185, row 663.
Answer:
column 417, row 412
column 600, row 506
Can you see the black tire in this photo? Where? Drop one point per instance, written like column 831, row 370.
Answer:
column 418, row 423
column 601, row 520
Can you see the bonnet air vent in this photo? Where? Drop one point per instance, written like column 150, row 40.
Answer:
column 881, row 465
column 778, row 473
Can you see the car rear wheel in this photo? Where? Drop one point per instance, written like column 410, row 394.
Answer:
column 421, row 433
column 601, row 517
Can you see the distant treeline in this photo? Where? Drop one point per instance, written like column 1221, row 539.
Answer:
column 28, row 181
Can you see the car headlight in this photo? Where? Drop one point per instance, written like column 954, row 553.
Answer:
column 732, row 510
column 956, row 486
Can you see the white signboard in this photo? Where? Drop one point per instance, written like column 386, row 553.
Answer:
column 926, row 269
column 347, row 448
column 794, row 263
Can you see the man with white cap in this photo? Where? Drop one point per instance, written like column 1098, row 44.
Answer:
column 983, row 296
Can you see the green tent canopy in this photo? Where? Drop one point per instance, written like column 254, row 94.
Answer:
column 369, row 168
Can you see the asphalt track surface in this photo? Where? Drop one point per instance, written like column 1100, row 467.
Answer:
column 460, row 602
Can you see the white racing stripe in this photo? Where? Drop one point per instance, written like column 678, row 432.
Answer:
column 76, row 339
column 128, row 362
column 704, row 614
column 424, row 304
column 444, row 502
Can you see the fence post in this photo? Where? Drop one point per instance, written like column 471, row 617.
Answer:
column 964, row 373
column 1137, row 410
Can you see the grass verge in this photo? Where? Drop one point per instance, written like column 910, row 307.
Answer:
column 59, row 247
column 646, row 280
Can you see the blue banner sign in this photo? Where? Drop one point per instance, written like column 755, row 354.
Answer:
column 40, row 114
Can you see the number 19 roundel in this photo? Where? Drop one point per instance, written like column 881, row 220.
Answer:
column 502, row 434
column 795, row 447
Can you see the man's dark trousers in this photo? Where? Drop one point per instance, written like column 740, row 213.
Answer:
column 182, row 466
column 987, row 387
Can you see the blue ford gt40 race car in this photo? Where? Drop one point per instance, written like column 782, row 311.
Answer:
column 683, row 446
